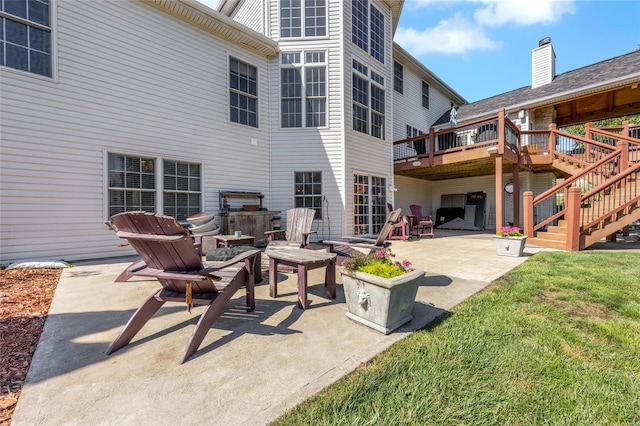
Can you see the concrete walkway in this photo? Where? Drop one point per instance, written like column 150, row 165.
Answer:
column 250, row 369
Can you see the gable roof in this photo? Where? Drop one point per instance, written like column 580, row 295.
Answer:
column 605, row 75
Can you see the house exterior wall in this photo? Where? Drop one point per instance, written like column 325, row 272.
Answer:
column 310, row 149
column 365, row 154
column 413, row 191
column 251, row 13
column 118, row 90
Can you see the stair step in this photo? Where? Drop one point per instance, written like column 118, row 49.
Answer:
column 557, row 229
column 560, row 245
column 554, row 236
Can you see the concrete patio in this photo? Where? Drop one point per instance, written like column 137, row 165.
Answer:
column 250, row 369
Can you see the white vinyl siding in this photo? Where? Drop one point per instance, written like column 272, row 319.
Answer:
column 250, row 13
column 118, row 91
column 408, row 110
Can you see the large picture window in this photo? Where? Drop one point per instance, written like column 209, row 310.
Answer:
column 368, row 101
column 293, row 13
column 25, row 35
column 303, row 88
column 367, row 28
column 133, row 184
column 308, row 191
column 243, row 93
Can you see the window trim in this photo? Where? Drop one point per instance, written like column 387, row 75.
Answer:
column 425, row 94
column 398, row 78
column 303, row 66
column 53, row 51
column 230, row 90
column 321, row 196
column 303, row 28
column 159, row 174
column 371, row 78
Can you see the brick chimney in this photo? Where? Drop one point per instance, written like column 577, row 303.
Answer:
column 543, row 60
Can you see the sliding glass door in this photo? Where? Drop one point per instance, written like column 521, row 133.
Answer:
column 369, row 204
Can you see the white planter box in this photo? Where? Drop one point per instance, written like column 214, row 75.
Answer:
column 383, row 304
column 509, row 246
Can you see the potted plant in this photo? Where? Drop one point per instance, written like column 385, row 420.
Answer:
column 379, row 291
column 509, row 241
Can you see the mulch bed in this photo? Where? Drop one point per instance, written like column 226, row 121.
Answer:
column 25, row 298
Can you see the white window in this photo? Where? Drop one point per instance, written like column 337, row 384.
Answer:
column 308, row 191
column 293, row 13
column 367, row 28
column 243, row 93
column 369, row 204
column 398, row 77
column 133, row 185
column 368, row 101
column 303, row 100
column 25, row 35
column 425, row 95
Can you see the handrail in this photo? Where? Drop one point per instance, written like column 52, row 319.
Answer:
column 567, row 183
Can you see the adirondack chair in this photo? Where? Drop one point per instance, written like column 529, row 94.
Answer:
column 167, row 253
column 424, row 223
column 297, row 232
column 401, row 230
column 349, row 245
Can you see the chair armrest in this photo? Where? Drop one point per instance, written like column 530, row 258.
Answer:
column 272, row 235
column 331, row 244
column 305, row 237
column 346, row 239
column 216, row 266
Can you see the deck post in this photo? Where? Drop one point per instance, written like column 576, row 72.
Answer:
column 527, row 205
column 499, row 192
column 432, row 145
column 573, row 219
column 551, row 143
column 501, row 124
column 516, row 196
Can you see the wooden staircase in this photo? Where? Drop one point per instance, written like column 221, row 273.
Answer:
column 600, row 196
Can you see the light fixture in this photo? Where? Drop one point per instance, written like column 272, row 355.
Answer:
column 508, row 188
column 417, row 163
column 492, row 150
column 392, row 188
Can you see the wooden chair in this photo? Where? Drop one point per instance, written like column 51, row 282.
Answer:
column 349, row 245
column 167, row 253
column 424, row 224
column 297, row 231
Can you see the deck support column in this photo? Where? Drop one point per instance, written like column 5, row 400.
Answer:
column 573, row 219
column 516, row 197
column 499, row 192
column 527, row 205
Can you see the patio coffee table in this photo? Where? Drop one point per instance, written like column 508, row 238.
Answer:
column 304, row 260
column 232, row 240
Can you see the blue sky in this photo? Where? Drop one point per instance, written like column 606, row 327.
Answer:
column 482, row 48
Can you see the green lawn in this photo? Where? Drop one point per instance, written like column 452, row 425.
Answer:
column 556, row 341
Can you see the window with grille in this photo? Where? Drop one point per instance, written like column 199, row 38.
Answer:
column 243, row 93
column 398, row 77
column 425, row 95
column 297, row 16
column 369, row 204
column 303, row 102
column 133, row 186
column 182, row 189
column 367, row 28
column 368, row 101
column 308, row 191
column 25, row 36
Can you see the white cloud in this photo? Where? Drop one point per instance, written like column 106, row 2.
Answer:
column 451, row 36
column 522, row 12
column 210, row 3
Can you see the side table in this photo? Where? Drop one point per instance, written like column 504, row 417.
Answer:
column 232, row 240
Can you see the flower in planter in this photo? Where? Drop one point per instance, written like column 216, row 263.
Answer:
column 509, row 231
column 378, row 263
